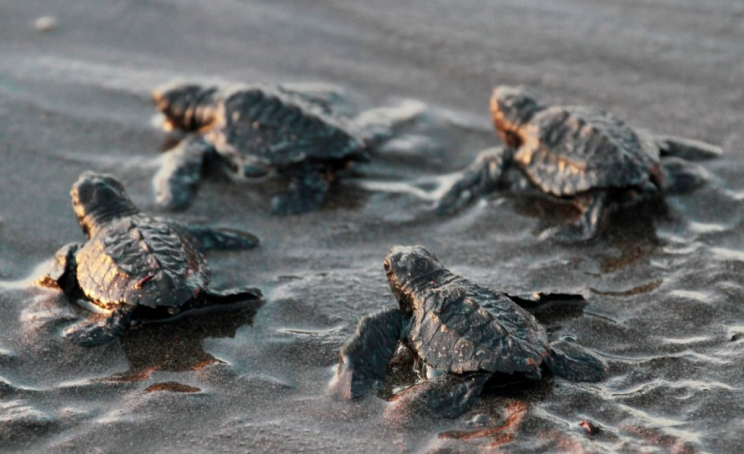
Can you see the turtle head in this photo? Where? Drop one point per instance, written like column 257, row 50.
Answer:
column 97, row 199
column 187, row 107
column 404, row 265
column 512, row 107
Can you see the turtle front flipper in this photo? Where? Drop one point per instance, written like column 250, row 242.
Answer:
column 447, row 395
column 573, row 362
column 217, row 238
column 587, row 226
column 307, row 192
column 688, row 149
column 62, row 273
column 177, row 181
column 365, row 357
column 102, row 332
column 481, row 177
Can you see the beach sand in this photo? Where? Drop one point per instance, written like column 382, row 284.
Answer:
column 665, row 284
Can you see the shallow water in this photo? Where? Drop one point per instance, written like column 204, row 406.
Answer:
column 664, row 283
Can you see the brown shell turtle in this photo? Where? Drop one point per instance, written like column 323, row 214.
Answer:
column 461, row 333
column 136, row 267
column 579, row 153
column 254, row 130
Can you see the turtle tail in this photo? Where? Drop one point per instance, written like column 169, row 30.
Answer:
column 575, row 363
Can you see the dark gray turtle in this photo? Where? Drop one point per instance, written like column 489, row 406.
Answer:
column 580, row 153
column 135, row 266
column 461, row 333
column 255, row 130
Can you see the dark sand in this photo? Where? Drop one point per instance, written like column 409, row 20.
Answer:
column 665, row 286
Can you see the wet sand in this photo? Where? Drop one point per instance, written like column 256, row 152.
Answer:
column 664, row 284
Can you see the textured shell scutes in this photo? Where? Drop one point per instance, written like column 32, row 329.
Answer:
column 278, row 129
column 461, row 327
column 139, row 260
column 568, row 150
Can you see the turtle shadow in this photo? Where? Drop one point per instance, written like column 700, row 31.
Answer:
column 625, row 222
column 629, row 229
column 178, row 345
column 416, row 405
column 217, row 173
column 508, row 422
column 632, row 232
column 629, row 222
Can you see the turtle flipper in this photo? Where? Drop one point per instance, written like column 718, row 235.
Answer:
column 231, row 296
column 106, row 331
column 687, row 149
column 62, row 273
column 307, row 192
column 587, row 225
column 543, row 303
column 365, row 357
column 447, row 395
column 680, row 176
column 177, row 181
column 575, row 363
column 379, row 125
column 324, row 97
column 219, row 239
column 481, row 177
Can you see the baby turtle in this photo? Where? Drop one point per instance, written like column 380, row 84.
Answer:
column 133, row 266
column 579, row 153
column 461, row 333
column 255, row 130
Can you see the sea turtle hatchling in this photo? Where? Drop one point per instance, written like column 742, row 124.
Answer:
column 254, row 130
column 579, row 153
column 136, row 267
column 461, row 334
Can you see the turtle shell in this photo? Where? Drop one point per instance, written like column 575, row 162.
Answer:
column 278, row 129
column 460, row 327
column 568, row 150
column 139, row 260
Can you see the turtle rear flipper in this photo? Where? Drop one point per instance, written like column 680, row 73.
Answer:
column 324, row 97
column 480, row 178
column 307, row 192
column 101, row 332
column 575, row 363
column 177, row 181
column 679, row 176
column 688, row 149
column 62, row 271
column 447, row 395
column 379, row 125
column 219, row 239
column 365, row 357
